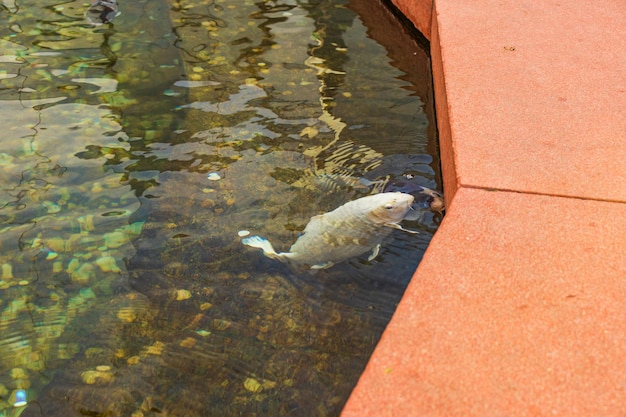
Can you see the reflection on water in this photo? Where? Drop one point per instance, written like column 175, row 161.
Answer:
column 131, row 155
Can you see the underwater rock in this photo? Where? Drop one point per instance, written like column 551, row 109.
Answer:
column 108, row 264
column 155, row 349
column 181, row 295
column 221, row 324
column 72, row 266
column 57, row 267
column 115, row 239
column 84, row 273
column 188, row 342
column 127, row 315
column 56, row 244
column 214, row 176
column 86, row 223
column 18, row 373
column 96, row 377
column 51, row 255
column 7, row 271
column 252, row 385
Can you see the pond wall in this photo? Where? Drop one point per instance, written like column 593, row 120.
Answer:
column 517, row 308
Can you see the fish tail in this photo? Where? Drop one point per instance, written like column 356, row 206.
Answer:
column 261, row 243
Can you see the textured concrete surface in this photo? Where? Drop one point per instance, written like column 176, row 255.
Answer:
column 517, row 309
column 536, row 94
column 519, row 306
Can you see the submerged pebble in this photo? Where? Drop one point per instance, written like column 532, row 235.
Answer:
column 155, row 349
column 72, row 265
column 7, row 271
column 182, row 295
column 57, row 267
column 214, row 176
column 115, row 239
column 134, row 228
column 18, row 373
column 86, row 223
column 127, row 315
column 107, row 264
column 84, row 273
column 221, row 324
column 252, row 385
column 188, row 342
column 96, row 377
column 133, row 360
column 56, row 244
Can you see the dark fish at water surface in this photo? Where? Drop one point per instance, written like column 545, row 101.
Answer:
column 355, row 228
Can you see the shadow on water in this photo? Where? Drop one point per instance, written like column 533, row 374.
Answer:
column 136, row 153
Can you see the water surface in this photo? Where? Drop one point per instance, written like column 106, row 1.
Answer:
column 132, row 154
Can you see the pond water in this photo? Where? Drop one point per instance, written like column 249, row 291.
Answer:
column 131, row 156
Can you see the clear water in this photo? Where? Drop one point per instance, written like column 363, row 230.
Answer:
column 132, row 154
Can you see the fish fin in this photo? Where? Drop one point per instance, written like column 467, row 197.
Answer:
column 261, row 243
column 374, row 253
column 313, row 224
column 323, row 266
column 429, row 192
column 397, row 226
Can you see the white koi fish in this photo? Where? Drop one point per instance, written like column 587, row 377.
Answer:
column 355, row 228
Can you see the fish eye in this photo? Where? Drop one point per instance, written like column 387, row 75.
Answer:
column 388, row 206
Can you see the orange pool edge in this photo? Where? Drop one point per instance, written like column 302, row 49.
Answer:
column 518, row 305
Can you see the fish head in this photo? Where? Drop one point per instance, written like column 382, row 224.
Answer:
column 389, row 207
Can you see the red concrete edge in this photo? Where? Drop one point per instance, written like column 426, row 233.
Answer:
column 418, row 12
column 421, row 14
column 508, row 320
column 517, row 307
column 443, row 111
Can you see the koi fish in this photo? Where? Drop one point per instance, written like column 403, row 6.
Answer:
column 355, row 228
